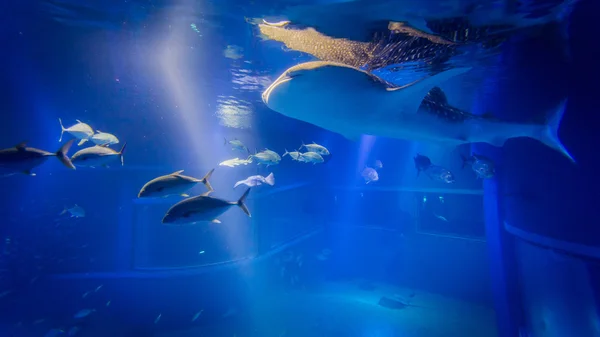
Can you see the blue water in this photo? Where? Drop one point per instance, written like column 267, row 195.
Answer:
column 323, row 250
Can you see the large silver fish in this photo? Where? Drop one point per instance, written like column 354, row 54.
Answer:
column 325, row 93
column 202, row 208
column 172, row 184
column 80, row 131
column 22, row 159
column 97, row 156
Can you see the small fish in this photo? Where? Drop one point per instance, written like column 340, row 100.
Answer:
column 83, row 313
column 295, row 155
column 76, row 211
column 256, row 181
column 104, row 138
column 197, row 315
column 85, row 294
column 201, row 252
column 235, row 162
column 98, row 288
column 266, row 157
column 230, row 312
column 369, row 174
column 237, row 145
column 73, row 331
column 22, row 159
column 439, row 173
column 312, row 157
column 173, row 184
column 314, row 147
column 108, row 303
column 5, row 293
column 157, row 318
column 202, row 208
column 97, row 156
column 80, row 131
column 54, row 333
column 440, row 217
column 422, row 163
column 378, row 164
column 324, row 254
column 483, row 167
column 233, row 52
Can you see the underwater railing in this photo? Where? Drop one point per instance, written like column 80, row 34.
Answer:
column 429, row 196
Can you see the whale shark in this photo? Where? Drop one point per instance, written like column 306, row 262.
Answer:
column 351, row 102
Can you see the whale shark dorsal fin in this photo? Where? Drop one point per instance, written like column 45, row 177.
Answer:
column 437, row 95
column 411, row 95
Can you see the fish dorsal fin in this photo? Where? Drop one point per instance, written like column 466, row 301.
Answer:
column 410, row 96
column 437, row 95
column 205, row 194
column 98, row 131
column 177, row 173
column 21, row 146
column 80, row 122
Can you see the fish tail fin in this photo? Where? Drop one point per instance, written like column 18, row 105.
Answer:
column 241, row 203
column 286, row 153
column 270, row 179
column 237, row 184
column 62, row 130
column 61, row 154
column 205, row 180
column 418, row 172
column 81, row 142
column 549, row 133
column 122, row 152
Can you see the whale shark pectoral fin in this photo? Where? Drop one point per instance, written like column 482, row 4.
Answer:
column 410, row 96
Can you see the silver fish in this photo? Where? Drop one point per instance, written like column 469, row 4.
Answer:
column 272, row 154
column 439, row 173
column 197, row 315
column 296, row 155
column 202, row 208
column 311, row 157
column 104, row 138
column 314, row 147
column 482, row 166
column 97, row 156
column 256, row 181
column 83, row 313
column 237, row 145
column 369, row 174
column 80, row 131
column 22, row 159
column 75, row 211
column 266, row 158
column 324, row 93
column 235, row 162
column 173, row 184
